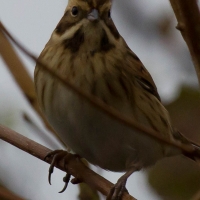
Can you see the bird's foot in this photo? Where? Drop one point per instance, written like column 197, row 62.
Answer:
column 117, row 190
column 58, row 155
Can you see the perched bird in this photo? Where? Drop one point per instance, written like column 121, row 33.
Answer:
column 88, row 51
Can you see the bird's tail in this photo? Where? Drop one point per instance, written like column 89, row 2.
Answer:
column 194, row 155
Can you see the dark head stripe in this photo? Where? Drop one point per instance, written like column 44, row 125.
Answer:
column 74, row 43
column 98, row 3
column 110, row 24
column 105, row 43
column 101, row 2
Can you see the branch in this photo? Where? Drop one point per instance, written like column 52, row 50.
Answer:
column 188, row 17
column 5, row 194
column 75, row 167
column 196, row 196
column 22, row 78
column 110, row 111
column 25, row 82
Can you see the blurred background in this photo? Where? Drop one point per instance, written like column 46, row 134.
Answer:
column 149, row 29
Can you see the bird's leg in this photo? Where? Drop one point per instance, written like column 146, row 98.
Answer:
column 117, row 190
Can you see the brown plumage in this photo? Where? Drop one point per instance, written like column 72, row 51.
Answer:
column 88, row 51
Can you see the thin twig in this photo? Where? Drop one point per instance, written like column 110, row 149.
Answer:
column 196, row 196
column 93, row 100
column 25, row 82
column 22, row 78
column 74, row 166
column 188, row 17
column 5, row 194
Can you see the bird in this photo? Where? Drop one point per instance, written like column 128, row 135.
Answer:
column 87, row 50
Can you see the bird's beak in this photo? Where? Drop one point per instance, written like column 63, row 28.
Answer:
column 93, row 15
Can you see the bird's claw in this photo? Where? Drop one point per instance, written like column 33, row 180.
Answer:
column 66, row 180
column 57, row 156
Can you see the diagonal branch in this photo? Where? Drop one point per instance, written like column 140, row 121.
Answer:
column 188, row 17
column 75, row 167
column 110, row 111
column 5, row 194
column 25, row 82
column 22, row 78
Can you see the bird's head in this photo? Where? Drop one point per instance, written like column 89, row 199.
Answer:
column 89, row 21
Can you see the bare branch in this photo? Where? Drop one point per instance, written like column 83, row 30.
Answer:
column 196, row 196
column 25, row 82
column 188, row 17
column 5, row 194
column 110, row 111
column 74, row 166
column 22, row 78
column 19, row 73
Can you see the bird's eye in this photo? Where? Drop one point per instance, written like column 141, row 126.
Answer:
column 109, row 14
column 74, row 11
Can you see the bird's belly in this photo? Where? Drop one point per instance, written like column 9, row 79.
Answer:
column 97, row 137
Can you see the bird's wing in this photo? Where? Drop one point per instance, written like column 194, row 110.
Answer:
column 141, row 74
